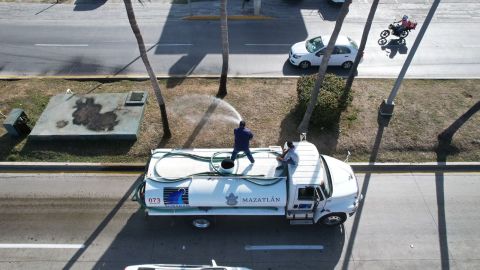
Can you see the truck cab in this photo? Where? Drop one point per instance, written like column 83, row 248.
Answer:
column 320, row 188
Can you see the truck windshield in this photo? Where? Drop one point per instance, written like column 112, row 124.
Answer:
column 326, row 186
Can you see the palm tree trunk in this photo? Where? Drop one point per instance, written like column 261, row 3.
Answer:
column 222, row 89
column 153, row 78
column 303, row 127
column 363, row 42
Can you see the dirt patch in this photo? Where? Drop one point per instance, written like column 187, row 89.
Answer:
column 424, row 108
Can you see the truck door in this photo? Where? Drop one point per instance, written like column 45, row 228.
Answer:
column 303, row 203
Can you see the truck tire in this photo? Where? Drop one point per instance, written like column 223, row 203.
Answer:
column 201, row 222
column 333, row 219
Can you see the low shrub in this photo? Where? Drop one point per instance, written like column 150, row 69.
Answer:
column 331, row 101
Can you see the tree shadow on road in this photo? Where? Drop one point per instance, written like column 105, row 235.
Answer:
column 195, row 42
column 88, row 5
column 172, row 240
column 444, row 149
column 382, row 123
column 99, row 229
column 327, row 11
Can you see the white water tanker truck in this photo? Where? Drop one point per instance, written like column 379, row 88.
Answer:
column 199, row 183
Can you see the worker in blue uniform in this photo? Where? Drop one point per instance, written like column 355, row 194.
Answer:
column 243, row 136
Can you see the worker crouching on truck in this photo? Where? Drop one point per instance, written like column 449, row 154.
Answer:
column 289, row 155
column 243, row 136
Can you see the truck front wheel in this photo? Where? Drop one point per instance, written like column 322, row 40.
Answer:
column 333, row 219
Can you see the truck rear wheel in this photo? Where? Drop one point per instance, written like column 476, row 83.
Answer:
column 201, row 223
column 333, row 219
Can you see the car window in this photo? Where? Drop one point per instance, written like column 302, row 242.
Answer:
column 321, row 52
column 342, row 50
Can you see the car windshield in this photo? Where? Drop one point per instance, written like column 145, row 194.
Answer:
column 314, row 44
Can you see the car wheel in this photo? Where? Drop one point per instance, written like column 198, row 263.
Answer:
column 382, row 41
column 333, row 219
column 201, row 223
column 304, row 64
column 404, row 34
column 347, row 65
column 385, row 33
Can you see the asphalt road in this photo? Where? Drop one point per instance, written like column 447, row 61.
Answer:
column 61, row 40
column 80, row 221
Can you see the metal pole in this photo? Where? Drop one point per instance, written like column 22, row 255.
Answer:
column 395, row 88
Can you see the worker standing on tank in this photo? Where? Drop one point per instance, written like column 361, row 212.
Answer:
column 243, row 136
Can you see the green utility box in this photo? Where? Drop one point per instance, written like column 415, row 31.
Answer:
column 16, row 123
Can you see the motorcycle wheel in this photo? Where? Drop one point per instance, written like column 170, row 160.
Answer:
column 404, row 34
column 382, row 41
column 384, row 33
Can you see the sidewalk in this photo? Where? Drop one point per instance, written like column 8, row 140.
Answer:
column 156, row 9
column 97, row 10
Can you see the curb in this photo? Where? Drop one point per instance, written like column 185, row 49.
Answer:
column 166, row 76
column 231, row 17
column 428, row 167
column 55, row 167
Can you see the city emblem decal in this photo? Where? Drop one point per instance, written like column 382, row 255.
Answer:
column 231, row 199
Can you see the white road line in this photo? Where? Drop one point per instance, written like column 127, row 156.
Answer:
column 259, row 44
column 168, row 44
column 285, row 247
column 65, row 246
column 61, row 45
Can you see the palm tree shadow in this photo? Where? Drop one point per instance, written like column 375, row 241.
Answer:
column 88, row 5
column 45, row 9
column 325, row 139
column 382, row 123
column 183, row 68
column 7, row 143
column 102, row 224
column 163, row 142
column 443, row 150
column 120, row 70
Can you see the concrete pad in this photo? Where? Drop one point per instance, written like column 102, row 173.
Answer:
column 94, row 116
